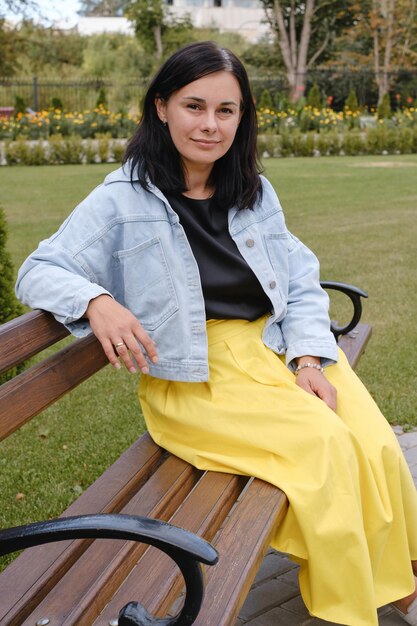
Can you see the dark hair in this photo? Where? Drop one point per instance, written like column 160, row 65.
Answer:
column 152, row 153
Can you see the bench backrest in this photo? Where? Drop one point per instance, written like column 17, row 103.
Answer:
column 39, row 386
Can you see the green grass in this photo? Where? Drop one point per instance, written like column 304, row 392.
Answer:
column 358, row 214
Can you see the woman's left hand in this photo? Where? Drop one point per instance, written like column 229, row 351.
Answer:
column 314, row 382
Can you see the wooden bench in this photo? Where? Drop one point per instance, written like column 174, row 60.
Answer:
column 80, row 580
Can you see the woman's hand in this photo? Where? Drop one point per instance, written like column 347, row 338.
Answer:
column 118, row 330
column 314, row 382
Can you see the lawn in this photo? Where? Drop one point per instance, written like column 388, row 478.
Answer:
column 358, row 214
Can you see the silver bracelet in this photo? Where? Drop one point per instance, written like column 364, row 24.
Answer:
column 316, row 366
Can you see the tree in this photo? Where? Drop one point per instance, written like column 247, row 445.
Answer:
column 154, row 26
column 390, row 26
column 37, row 50
column 304, row 32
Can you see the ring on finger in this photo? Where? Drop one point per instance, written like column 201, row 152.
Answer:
column 120, row 344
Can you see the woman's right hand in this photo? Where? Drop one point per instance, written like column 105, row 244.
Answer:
column 118, row 331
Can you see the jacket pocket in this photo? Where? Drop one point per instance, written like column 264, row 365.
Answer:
column 148, row 286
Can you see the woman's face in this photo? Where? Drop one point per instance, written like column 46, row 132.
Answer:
column 203, row 118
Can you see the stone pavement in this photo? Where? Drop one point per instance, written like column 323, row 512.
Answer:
column 274, row 599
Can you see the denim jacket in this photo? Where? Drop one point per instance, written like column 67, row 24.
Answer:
column 128, row 242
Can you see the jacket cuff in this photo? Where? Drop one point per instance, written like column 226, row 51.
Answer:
column 327, row 351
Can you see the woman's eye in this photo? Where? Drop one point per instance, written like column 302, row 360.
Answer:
column 226, row 111
column 193, row 107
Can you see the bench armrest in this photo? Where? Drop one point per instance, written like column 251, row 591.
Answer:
column 185, row 548
column 355, row 294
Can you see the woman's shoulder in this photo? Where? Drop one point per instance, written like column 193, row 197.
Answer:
column 269, row 195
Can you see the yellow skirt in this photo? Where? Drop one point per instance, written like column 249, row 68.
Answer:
column 352, row 519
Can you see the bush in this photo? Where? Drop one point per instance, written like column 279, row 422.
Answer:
column 118, row 150
column 19, row 105
column 17, row 152
column 103, row 148
column 405, row 140
column 9, row 306
column 56, row 104
column 65, row 150
column 101, row 98
column 351, row 102
column 314, row 97
column 266, row 100
column 353, row 144
column 384, row 108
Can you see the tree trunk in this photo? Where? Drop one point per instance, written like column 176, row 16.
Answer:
column 294, row 53
column 158, row 41
column 382, row 24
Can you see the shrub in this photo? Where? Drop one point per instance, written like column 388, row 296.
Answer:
column 384, row 108
column 101, row 98
column 405, row 140
column 9, row 306
column 266, row 100
column 65, row 150
column 37, row 154
column 90, row 151
column 17, row 152
column 56, row 104
column 19, row 105
column 103, row 148
column 351, row 102
column 118, row 150
column 314, row 97
column 353, row 144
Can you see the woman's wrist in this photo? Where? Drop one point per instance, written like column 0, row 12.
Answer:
column 301, row 360
column 308, row 362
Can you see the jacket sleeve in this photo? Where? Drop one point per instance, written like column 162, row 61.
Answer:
column 306, row 325
column 53, row 279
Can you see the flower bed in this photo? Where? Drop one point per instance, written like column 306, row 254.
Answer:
column 98, row 136
column 88, row 124
column 326, row 119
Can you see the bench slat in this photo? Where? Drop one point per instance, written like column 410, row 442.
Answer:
column 354, row 343
column 27, row 335
column 155, row 582
column 32, row 574
column 107, row 562
column 35, row 389
column 242, row 545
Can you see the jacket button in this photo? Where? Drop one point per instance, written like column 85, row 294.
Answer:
column 250, row 243
column 272, row 284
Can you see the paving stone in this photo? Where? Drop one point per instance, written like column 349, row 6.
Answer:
column 266, row 596
column 296, row 605
column 274, row 564
column 276, row 617
column 391, row 619
column 408, row 440
column 411, row 455
column 290, row 577
column 398, row 430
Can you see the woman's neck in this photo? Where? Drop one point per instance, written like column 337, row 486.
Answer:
column 197, row 187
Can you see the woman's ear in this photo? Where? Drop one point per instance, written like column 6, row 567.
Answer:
column 161, row 108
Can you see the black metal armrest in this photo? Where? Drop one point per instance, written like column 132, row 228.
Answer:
column 186, row 549
column 355, row 294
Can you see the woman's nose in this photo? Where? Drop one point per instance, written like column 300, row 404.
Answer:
column 209, row 122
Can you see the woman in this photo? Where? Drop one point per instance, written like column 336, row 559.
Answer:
column 188, row 231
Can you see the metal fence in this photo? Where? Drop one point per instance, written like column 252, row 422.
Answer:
column 79, row 95
column 75, row 95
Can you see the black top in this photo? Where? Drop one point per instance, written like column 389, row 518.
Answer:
column 231, row 289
